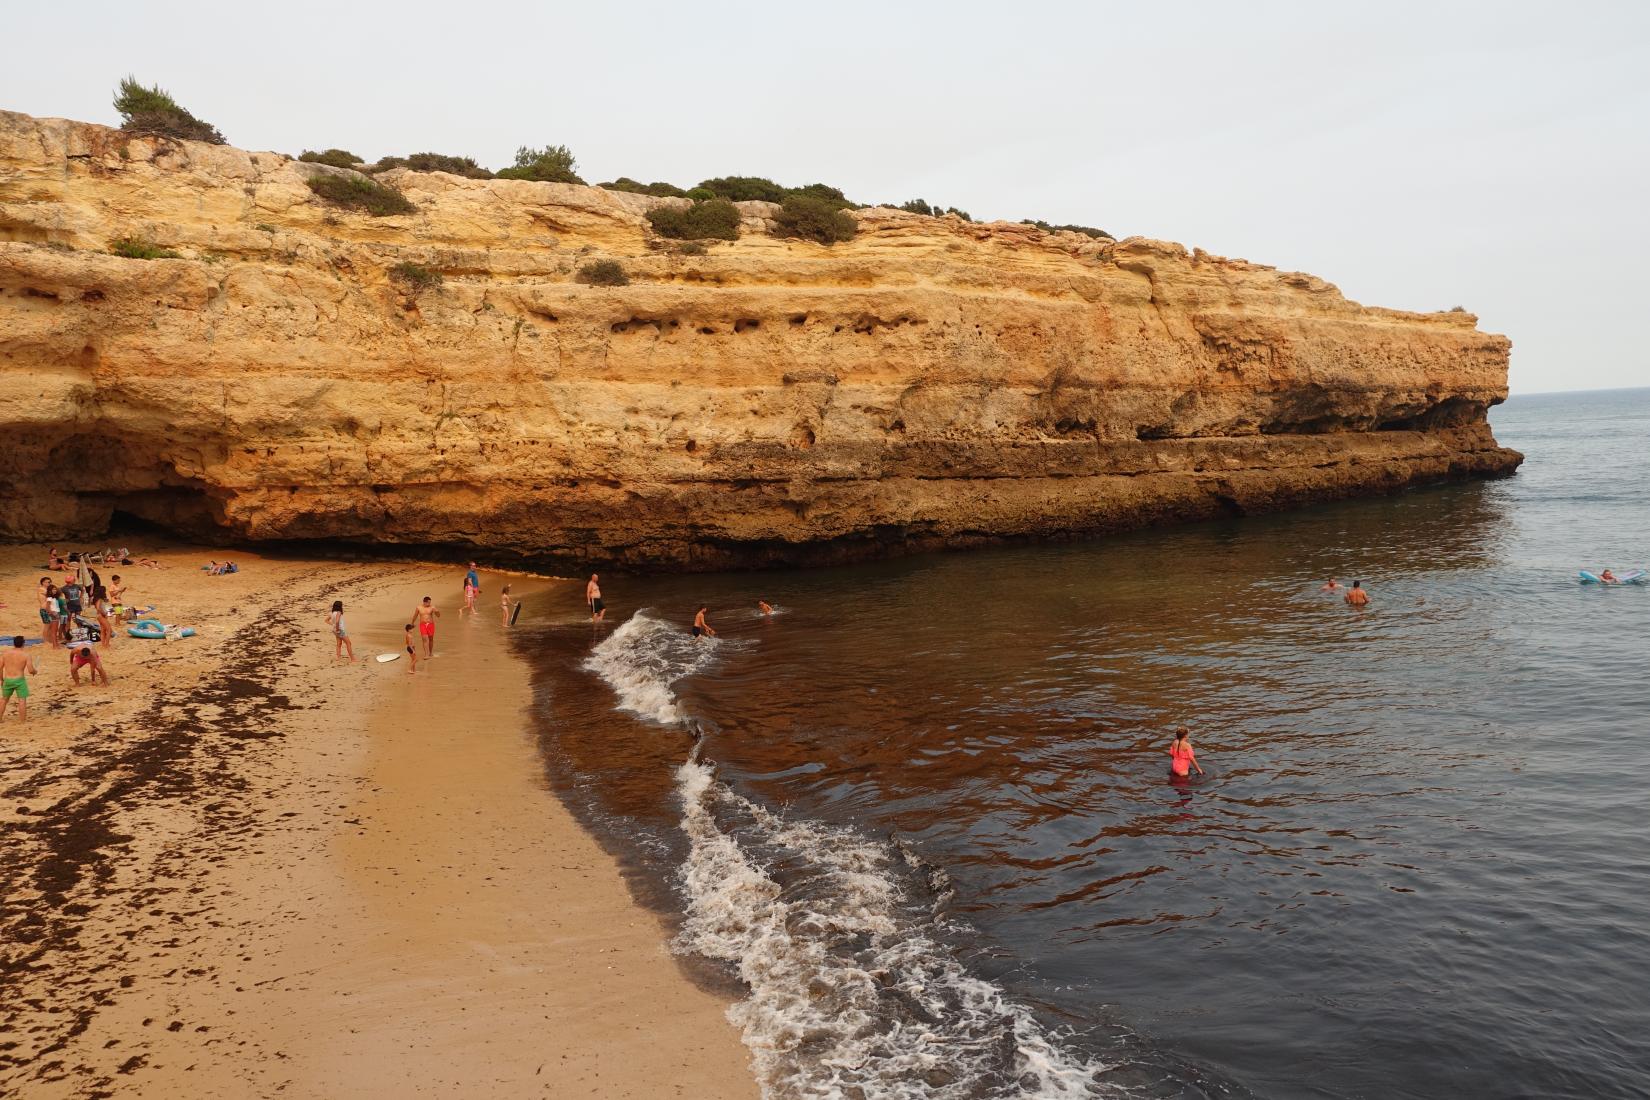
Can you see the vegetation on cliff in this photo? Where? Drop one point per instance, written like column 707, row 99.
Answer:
column 140, row 248
column 338, row 158
column 602, row 273
column 551, row 164
column 1085, row 230
column 154, row 111
column 713, row 219
column 813, row 219
column 415, row 277
column 433, row 162
column 919, row 206
column 658, row 188
column 356, row 193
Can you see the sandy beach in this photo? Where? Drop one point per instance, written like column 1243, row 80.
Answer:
column 247, row 868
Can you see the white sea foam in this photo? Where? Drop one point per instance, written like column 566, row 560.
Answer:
column 852, row 990
column 643, row 657
column 851, row 993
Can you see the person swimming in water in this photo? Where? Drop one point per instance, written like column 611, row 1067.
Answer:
column 702, row 629
column 1181, row 757
column 1332, row 586
column 1356, row 596
column 765, row 607
column 1609, row 578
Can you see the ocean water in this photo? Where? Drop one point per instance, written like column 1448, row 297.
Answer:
column 920, row 822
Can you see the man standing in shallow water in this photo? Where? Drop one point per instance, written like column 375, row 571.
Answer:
column 593, row 597
column 425, row 615
column 1356, row 596
column 16, row 667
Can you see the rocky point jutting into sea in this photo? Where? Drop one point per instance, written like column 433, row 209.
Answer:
column 930, row 383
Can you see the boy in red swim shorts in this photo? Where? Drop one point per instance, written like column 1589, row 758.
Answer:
column 425, row 615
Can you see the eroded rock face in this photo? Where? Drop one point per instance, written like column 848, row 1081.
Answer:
column 931, row 383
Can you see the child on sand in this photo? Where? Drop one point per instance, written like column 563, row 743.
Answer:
column 341, row 642
column 504, row 603
column 470, row 598
column 412, row 654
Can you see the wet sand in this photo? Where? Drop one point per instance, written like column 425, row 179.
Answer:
column 249, row 869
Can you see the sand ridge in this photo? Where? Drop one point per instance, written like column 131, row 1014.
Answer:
column 247, row 869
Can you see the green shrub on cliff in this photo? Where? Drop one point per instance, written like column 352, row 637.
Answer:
column 813, row 219
column 552, row 164
column 139, row 248
column 716, row 219
column 762, row 189
column 355, row 193
column 1085, row 230
column 415, row 277
column 154, row 111
column 657, row 188
column 602, row 273
column 338, row 158
column 433, row 162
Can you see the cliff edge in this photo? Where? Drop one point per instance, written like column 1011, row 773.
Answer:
column 931, row 382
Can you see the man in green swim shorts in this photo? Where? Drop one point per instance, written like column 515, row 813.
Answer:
column 15, row 669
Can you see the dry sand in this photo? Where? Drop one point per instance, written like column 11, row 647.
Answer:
column 247, row 869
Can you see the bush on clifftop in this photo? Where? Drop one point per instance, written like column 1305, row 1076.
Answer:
column 813, row 219
column 1085, row 230
column 920, row 206
column 433, row 162
column 552, row 164
column 355, row 193
column 716, row 219
column 602, row 273
column 154, row 111
column 658, row 188
column 338, row 158
column 762, row 189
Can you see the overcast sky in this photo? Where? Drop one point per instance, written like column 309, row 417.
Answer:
column 1493, row 155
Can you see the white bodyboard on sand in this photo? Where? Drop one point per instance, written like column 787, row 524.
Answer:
column 386, row 658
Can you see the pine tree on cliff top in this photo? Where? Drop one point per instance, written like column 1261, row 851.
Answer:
column 154, row 111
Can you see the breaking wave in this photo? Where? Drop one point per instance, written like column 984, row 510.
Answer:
column 852, row 989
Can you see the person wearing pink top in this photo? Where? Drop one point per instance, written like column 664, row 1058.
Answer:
column 1181, row 757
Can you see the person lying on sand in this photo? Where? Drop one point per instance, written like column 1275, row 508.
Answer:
column 1356, row 596
column 702, row 629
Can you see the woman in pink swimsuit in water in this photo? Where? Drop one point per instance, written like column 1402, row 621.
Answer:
column 1181, row 757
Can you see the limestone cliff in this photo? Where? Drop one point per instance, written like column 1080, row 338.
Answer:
column 930, row 383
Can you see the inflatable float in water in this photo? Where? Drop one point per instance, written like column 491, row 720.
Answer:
column 1637, row 576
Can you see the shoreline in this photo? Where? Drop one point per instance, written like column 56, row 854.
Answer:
column 249, row 869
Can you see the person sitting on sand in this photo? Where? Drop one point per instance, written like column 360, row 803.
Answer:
column 1356, row 596
column 425, row 615
column 16, row 667
column 1332, row 585
column 341, row 642
column 1608, row 577
column 412, row 654
column 702, row 629
column 82, row 654
column 764, row 607
column 1181, row 757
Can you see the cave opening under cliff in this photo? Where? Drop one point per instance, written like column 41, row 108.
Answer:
column 1451, row 412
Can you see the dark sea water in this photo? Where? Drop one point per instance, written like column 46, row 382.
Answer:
column 933, row 835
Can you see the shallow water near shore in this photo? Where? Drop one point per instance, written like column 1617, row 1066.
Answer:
column 930, row 830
